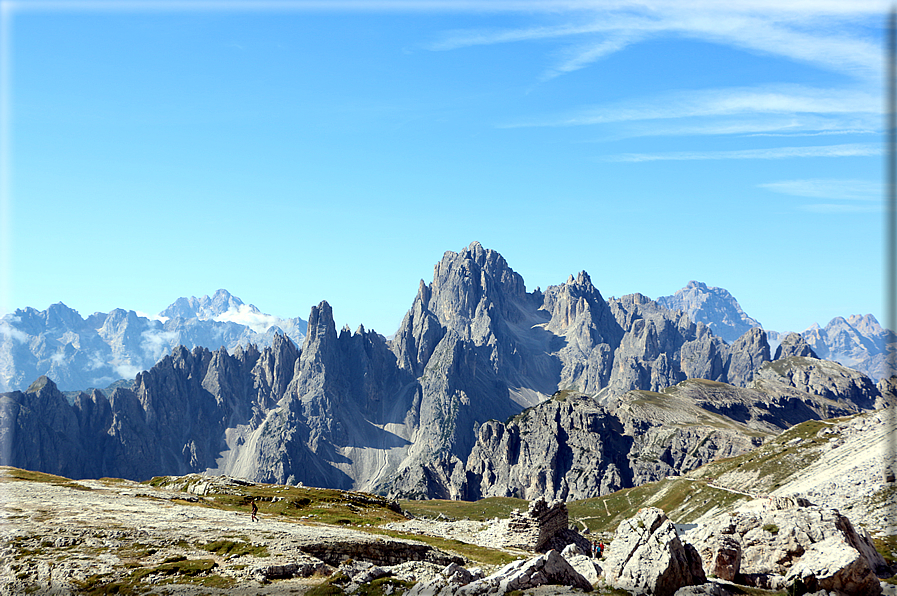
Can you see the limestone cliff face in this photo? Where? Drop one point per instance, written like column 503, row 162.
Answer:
column 557, row 449
column 584, row 323
column 473, row 343
column 175, row 418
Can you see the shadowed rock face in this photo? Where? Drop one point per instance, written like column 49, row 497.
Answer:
column 354, row 410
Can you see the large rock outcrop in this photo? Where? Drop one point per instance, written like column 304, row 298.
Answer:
column 794, row 344
column 575, row 447
column 547, row 569
column 770, row 542
column 647, row 557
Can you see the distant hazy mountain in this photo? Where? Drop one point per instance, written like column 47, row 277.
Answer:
column 858, row 341
column 78, row 353
column 715, row 307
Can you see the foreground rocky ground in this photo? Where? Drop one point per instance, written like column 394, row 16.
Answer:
column 193, row 535
column 77, row 536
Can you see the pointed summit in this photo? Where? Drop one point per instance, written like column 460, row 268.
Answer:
column 715, row 307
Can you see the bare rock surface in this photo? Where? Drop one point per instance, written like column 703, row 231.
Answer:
column 355, row 410
column 575, row 446
column 794, row 344
column 763, row 543
column 858, row 341
column 549, row 569
column 56, row 537
column 647, row 557
column 715, row 307
column 835, row 566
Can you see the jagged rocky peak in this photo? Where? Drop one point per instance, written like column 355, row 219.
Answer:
column 61, row 316
column 470, row 284
column 715, row 307
column 204, row 308
column 41, row 383
column 570, row 301
column 794, row 344
column 321, row 326
column 867, row 324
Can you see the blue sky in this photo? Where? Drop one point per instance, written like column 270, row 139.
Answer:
column 293, row 152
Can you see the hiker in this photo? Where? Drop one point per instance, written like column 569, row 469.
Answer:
column 600, row 549
column 255, row 510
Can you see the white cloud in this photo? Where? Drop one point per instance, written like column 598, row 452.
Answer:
column 126, row 371
column 8, row 331
column 157, row 344
column 825, row 188
column 96, row 362
column 58, row 359
column 159, row 318
column 792, row 106
column 246, row 315
column 846, row 150
column 819, row 33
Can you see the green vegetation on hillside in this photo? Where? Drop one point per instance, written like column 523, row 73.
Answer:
column 324, row 505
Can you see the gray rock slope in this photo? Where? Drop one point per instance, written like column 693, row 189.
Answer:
column 95, row 351
column 353, row 410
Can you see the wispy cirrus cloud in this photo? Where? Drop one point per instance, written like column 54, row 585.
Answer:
column 817, row 33
column 841, row 195
column 828, row 188
column 844, row 150
column 807, row 109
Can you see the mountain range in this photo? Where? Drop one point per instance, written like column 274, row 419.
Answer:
column 98, row 350
column 858, row 341
column 484, row 389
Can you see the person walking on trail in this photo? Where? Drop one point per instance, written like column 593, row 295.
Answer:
column 255, row 510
